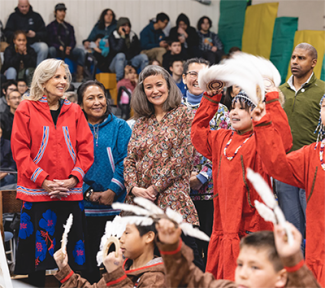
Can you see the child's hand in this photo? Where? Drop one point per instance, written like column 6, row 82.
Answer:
column 111, row 262
column 61, row 259
column 258, row 112
column 167, row 232
column 281, row 243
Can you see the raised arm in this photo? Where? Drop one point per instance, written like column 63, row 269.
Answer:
column 201, row 133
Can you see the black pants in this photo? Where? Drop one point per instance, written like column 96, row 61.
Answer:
column 95, row 228
column 212, row 57
column 205, row 211
column 190, row 242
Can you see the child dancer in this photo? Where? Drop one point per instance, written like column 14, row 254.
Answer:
column 304, row 168
column 231, row 153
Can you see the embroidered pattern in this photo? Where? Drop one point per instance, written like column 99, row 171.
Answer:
column 227, row 145
column 66, row 102
column 79, row 253
column 45, row 139
column 321, row 155
column 79, row 170
column 110, row 158
column 42, row 192
column 35, row 174
column 68, row 142
column 26, row 226
column 43, row 99
column 118, row 183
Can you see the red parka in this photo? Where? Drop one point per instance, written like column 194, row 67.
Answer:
column 234, row 212
column 43, row 150
column 301, row 168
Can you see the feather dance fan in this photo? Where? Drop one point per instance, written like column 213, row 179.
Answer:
column 271, row 211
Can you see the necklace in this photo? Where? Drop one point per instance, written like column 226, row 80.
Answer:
column 227, row 145
column 96, row 130
column 321, row 154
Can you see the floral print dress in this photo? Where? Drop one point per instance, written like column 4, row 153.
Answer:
column 161, row 154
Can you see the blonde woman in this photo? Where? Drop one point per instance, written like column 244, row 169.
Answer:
column 53, row 149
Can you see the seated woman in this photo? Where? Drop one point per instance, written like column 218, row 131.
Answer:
column 19, row 59
column 105, row 25
column 104, row 182
column 187, row 35
column 160, row 152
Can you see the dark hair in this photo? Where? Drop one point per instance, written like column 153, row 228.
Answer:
column 194, row 60
column 18, row 32
column 227, row 99
column 199, row 23
column 162, row 17
column 243, row 104
column 139, row 102
column 8, row 83
column 81, row 91
column 101, row 22
column 15, row 90
column 145, row 229
column 264, row 240
column 311, row 49
column 98, row 36
column 176, row 59
column 233, row 50
column 171, row 40
column 153, row 60
column 21, row 80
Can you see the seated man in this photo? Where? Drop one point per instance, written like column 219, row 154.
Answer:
column 25, row 19
column 175, row 51
column 152, row 38
column 62, row 42
column 176, row 67
column 22, row 86
column 6, row 88
column 13, row 100
column 125, row 47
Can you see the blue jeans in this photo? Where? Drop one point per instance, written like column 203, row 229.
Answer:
column 119, row 62
column 41, row 50
column 77, row 54
column 292, row 201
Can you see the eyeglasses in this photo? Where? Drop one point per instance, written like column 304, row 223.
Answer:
column 15, row 98
column 192, row 74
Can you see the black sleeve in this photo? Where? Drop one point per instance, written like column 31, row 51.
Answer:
column 11, row 58
column 193, row 38
column 116, row 45
column 10, row 27
column 30, row 58
column 41, row 33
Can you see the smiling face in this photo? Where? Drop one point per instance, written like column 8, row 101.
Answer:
column 94, row 103
column 132, row 244
column 240, row 118
column 301, row 63
column 191, row 78
column 156, row 90
column 20, row 40
column 56, row 86
column 255, row 270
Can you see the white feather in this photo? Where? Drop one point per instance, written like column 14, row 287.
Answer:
column 131, row 208
column 188, row 229
column 137, row 220
column 175, row 216
column 150, row 206
column 67, row 228
column 262, row 188
column 233, row 73
column 266, row 213
column 282, row 221
column 263, row 66
column 113, row 228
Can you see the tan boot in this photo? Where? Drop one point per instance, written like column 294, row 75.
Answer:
column 80, row 73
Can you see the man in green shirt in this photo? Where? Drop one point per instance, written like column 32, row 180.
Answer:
column 302, row 93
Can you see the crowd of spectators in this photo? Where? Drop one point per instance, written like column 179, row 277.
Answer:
column 111, row 42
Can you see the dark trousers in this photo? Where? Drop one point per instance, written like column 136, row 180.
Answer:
column 212, row 57
column 205, row 210
column 95, row 228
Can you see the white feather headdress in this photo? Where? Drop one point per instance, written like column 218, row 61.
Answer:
column 237, row 71
column 273, row 212
column 153, row 214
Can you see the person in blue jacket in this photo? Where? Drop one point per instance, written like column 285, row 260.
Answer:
column 104, row 182
column 152, row 38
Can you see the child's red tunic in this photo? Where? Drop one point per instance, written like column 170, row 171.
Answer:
column 301, row 168
column 234, row 213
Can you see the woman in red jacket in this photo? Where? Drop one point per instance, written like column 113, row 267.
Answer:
column 53, row 149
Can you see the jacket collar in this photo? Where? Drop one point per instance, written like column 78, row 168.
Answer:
column 65, row 104
column 155, row 264
column 312, row 79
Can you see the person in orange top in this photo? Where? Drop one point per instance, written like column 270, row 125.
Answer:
column 231, row 152
column 304, row 168
column 52, row 146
